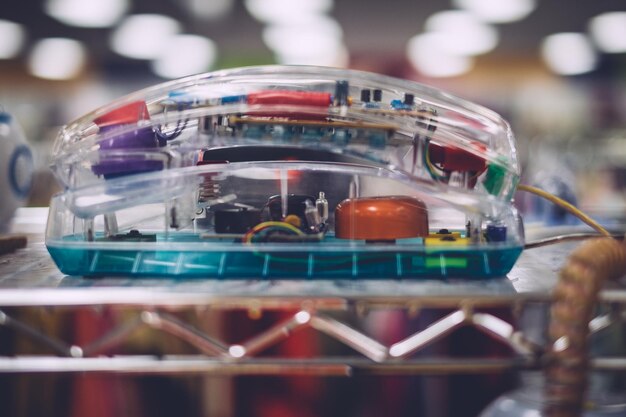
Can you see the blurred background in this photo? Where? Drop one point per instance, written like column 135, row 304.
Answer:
column 555, row 69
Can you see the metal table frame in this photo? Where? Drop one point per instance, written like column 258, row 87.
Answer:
column 30, row 281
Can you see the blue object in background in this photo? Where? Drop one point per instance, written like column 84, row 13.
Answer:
column 547, row 212
column 16, row 168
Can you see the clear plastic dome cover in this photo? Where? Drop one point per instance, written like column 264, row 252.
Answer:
column 293, row 172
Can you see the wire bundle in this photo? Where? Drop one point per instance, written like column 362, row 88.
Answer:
column 262, row 231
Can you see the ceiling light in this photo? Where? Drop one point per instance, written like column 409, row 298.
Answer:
column 57, row 58
column 185, row 55
column 313, row 38
column 287, row 11
column 426, row 55
column 142, row 36
column 317, row 41
column 568, row 53
column 92, row 13
column 608, row 31
column 498, row 11
column 460, row 33
column 337, row 57
column 11, row 39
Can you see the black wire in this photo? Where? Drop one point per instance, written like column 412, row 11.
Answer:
column 180, row 126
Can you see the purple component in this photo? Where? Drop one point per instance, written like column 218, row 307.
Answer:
column 116, row 166
column 112, row 168
column 140, row 138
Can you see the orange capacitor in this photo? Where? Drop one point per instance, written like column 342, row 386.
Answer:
column 381, row 218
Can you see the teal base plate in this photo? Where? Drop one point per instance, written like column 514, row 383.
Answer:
column 334, row 260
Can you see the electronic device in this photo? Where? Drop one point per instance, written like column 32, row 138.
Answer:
column 285, row 172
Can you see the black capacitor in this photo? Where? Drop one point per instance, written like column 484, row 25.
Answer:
column 366, row 95
column 409, row 99
column 341, row 93
column 236, row 219
column 427, row 123
column 378, row 95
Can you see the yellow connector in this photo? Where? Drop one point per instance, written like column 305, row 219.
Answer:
column 444, row 233
column 446, row 240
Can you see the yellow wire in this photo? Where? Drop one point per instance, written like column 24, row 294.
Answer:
column 264, row 225
column 565, row 205
column 431, row 166
column 278, row 224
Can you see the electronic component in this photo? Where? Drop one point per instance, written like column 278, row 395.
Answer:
column 342, row 91
column 313, row 218
column 338, row 132
column 233, row 219
column 296, row 205
column 113, row 126
column 293, row 104
column 117, row 137
column 381, row 218
column 366, row 95
column 273, row 231
column 456, row 159
column 321, row 204
column 495, row 179
column 371, row 99
column 294, row 220
column 125, row 115
column 234, row 99
column 444, row 233
column 495, row 233
column 449, row 240
column 407, row 103
column 209, row 189
column 377, row 95
column 292, row 98
column 133, row 236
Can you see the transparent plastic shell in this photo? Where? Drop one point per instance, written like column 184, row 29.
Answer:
column 415, row 129
column 286, row 172
column 152, row 224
